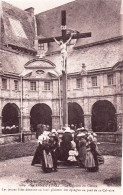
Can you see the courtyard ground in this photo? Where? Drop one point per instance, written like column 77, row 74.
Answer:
column 19, row 172
column 16, row 171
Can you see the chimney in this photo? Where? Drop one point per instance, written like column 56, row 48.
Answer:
column 30, row 10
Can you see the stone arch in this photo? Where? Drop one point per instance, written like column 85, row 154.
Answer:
column 11, row 118
column 39, row 63
column 40, row 113
column 103, row 116
column 75, row 114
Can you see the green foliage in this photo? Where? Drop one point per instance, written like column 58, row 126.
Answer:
column 17, row 150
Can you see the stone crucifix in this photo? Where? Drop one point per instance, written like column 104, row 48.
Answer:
column 62, row 41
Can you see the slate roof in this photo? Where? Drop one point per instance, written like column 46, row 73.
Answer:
column 101, row 17
column 17, row 22
column 13, row 63
column 95, row 58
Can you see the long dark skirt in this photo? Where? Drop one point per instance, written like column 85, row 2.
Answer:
column 54, row 158
column 37, row 156
column 82, row 156
column 65, row 147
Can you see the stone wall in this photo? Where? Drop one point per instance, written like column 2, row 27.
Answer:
column 13, row 138
column 28, row 136
column 109, row 137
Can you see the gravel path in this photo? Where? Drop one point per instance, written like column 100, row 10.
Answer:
column 19, row 172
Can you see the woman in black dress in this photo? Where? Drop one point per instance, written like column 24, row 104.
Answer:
column 66, row 144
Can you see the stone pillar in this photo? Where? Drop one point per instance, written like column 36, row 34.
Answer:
column 101, row 80
column 55, row 122
column 26, row 123
column 119, row 122
column 85, row 85
column 19, row 117
column 0, row 115
column 118, row 82
column 0, row 124
column 87, row 121
column 56, row 114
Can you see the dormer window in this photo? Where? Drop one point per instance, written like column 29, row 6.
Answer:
column 40, row 46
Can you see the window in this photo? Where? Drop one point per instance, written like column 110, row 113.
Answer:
column 110, row 79
column 41, row 46
column 16, row 85
column 47, row 85
column 78, row 83
column 33, row 85
column 94, row 81
column 4, row 83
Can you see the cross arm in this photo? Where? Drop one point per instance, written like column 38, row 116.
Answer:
column 48, row 40
column 81, row 35
column 75, row 36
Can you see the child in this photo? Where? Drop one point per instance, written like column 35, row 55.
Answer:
column 73, row 152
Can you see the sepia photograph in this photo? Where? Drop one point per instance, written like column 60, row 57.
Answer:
column 61, row 96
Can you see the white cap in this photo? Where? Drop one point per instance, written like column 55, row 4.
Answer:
column 94, row 134
column 67, row 130
column 90, row 137
column 81, row 135
column 78, row 129
column 54, row 131
column 41, row 138
column 46, row 133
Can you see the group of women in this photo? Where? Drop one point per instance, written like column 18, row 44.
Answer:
column 75, row 147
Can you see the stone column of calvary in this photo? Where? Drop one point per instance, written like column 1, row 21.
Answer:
column 62, row 41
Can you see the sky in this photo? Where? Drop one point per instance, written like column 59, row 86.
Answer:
column 39, row 5
column 121, row 11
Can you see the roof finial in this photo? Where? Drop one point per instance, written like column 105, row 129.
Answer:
column 83, row 66
column 83, row 71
